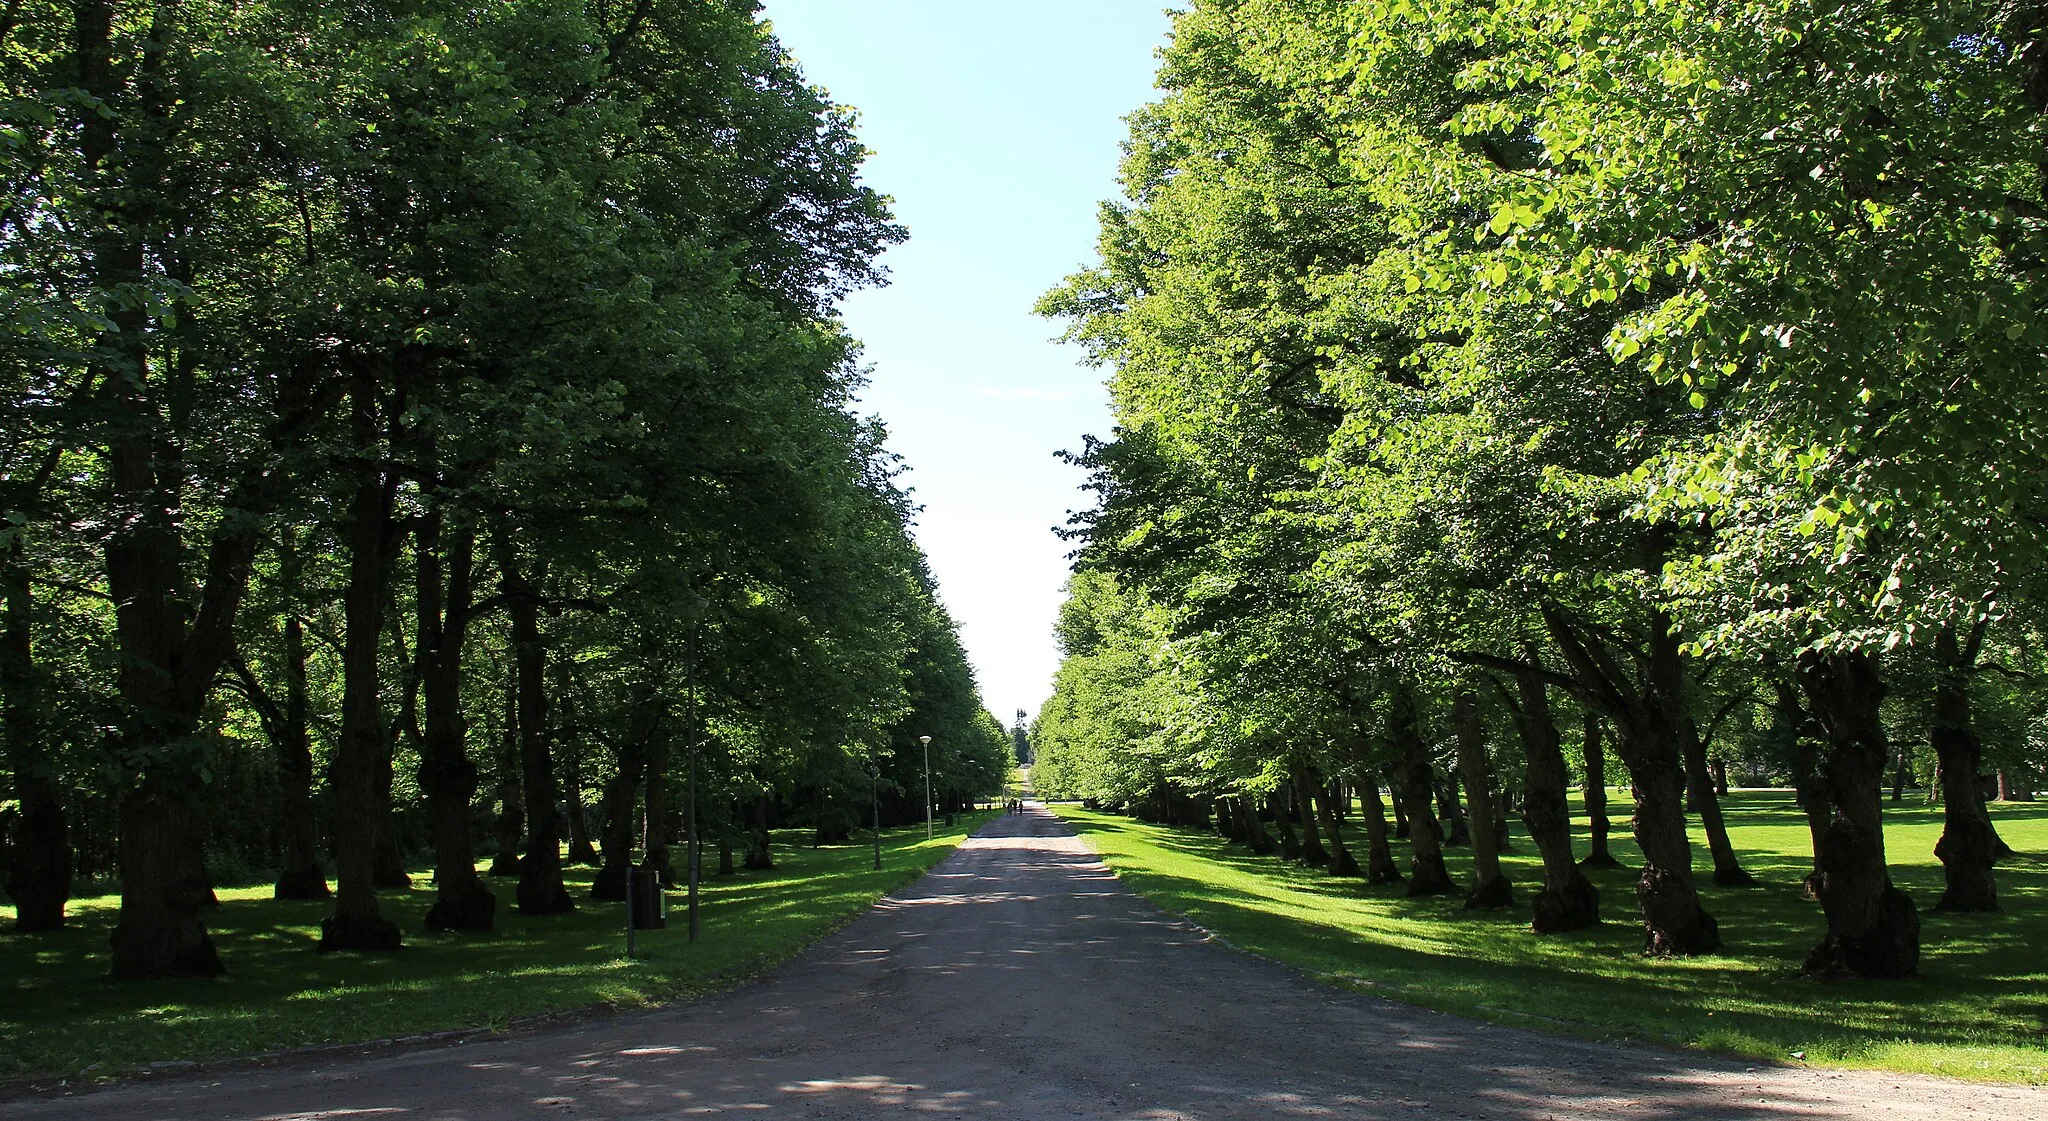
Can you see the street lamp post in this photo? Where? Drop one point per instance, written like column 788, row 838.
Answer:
column 875, row 794
column 927, row 742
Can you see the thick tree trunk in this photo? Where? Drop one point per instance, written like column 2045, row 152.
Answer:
column 1342, row 863
column 1226, row 827
column 1594, row 758
column 1720, row 769
column 1648, row 743
column 1380, row 866
column 39, row 872
column 1873, row 927
column 540, row 891
column 2014, row 786
column 1426, row 872
column 1312, row 850
column 1969, row 845
column 363, row 752
column 447, row 777
column 1490, row 887
column 1794, row 723
column 388, row 864
column 299, row 873
column 1670, row 692
column 1568, row 900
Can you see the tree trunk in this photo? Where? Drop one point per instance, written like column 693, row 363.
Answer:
column 1226, row 827
column 299, row 873
column 510, row 825
column 364, row 748
column 1450, row 803
column 1873, row 927
column 388, row 865
column 760, row 857
column 1673, row 920
column 2014, row 787
column 1490, row 887
column 540, row 891
column 448, row 779
column 581, row 851
column 616, row 858
column 1247, row 818
column 1968, row 845
column 39, row 873
column 1393, row 779
column 1380, row 866
column 657, row 855
column 1669, row 691
column 1283, row 823
column 1312, row 850
column 1720, row 769
column 1598, row 827
column 1426, row 872
column 1568, row 901
column 1342, row 863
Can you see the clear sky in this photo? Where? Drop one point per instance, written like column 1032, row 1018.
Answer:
column 995, row 127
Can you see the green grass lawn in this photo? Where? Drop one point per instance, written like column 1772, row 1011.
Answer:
column 1979, row 1008
column 59, row 1015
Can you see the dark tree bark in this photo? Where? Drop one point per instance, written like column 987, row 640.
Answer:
column 1873, row 927
column 1393, row 779
column 1254, row 833
column 1342, row 863
column 759, row 856
column 1226, row 827
column 581, row 851
column 1312, row 850
column 387, row 868
column 1491, row 889
column 169, row 653
column 364, row 748
column 1568, row 901
column 448, row 779
column 510, row 825
column 1426, row 872
column 1594, row 758
column 1283, row 823
column 540, row 891
column 657, row 855
column 1720, row 769
column 39, row 871
column 616, row 857
column 1969, row 845
column 1673, row 920
column 1380, row 866
column 1450, row 803
column 1670, row 690
column 287, row 727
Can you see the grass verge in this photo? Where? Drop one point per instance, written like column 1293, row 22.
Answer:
column 1979, row 1008
column 61, row 1017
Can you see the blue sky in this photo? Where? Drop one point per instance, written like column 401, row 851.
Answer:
column 995, row 127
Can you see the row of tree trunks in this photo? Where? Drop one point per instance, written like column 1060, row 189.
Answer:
column 1380, row 866
column 1326, row 801
column 1568, row 901
column 1312, row 850
column 1490, row 887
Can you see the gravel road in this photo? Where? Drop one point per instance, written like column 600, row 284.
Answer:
column 1020, row 979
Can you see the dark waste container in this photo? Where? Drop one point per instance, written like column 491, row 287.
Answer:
column 647, row 910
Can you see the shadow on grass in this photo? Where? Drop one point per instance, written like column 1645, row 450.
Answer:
column 1976, row 1009
column 59, row 1013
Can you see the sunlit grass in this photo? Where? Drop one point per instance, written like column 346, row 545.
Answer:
column 1979, row 1008
column 60, row 1015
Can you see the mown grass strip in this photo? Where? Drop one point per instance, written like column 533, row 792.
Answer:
column 1979, row 1008
column 61, row 1016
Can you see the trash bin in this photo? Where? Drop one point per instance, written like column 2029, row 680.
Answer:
column 647, row 909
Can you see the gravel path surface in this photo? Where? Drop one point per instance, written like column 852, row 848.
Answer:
column 1020, row 979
